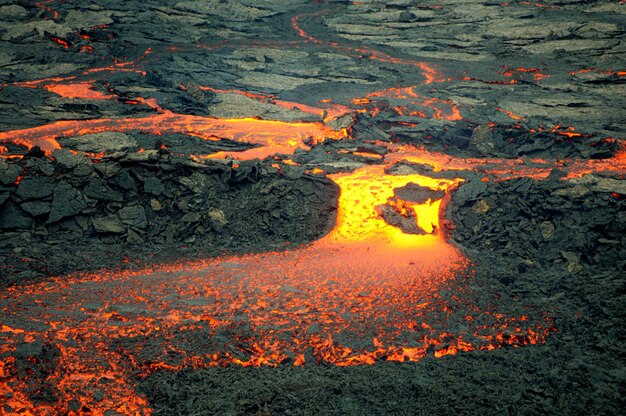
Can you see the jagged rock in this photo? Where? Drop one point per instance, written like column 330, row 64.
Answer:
column 35, row 187
column 84, row 167
column 191, row 217
column 144, row 156
column 197, row 182
column 573, row 261
column 123, row 179
column 547, row 230
column 8, row 172
column 67, row 201
column 100, row 142
column 155, row 205
column 194, row 90
column 111, row 224
column 342, row 122
column 134, row 238
column 393, row 217
column 153, row 186
column 36, row 208
column 600, row 184
column 3, row 198
column 481, row 207
column 412, row 192
column 107, row 169
column 98, row 189
column 12, row 217
column 217, row 218
column 79, row 164
column 65, row 159
column 482, row 139
column 43, row 165
column 134, row 216
column 576, row 191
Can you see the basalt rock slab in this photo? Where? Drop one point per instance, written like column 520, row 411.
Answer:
column 12, row 217
column 35, row 188
column 418, row 194
column 9, row 172
column 66, row 202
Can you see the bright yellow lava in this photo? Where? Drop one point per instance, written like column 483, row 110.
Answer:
column 368, row 187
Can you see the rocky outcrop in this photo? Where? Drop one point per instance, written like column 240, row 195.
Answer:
column 154, row 199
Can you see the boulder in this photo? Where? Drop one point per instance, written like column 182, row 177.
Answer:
column 13, row 217
column 111, row 224
column 482, row 139
column 153, row 186
column 35, row 187
column 412, row 192
column 36, row 208
column 407, row 224
column 134, row 216
column 8, row 172
column 98, row 189
column 67, row 201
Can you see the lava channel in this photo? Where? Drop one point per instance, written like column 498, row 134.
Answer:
column 366, row 292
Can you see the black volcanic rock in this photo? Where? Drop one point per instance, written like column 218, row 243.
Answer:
column 393, row 217
column 8, row 173
column 36, row 208
column 65, row 159
column 412, row 192
column 98, row 189
column 12, row 217
column 134, row 216
column 35, row 188
column 67, row 201
column 109, row 224
column 123, row 180
column 153, row 186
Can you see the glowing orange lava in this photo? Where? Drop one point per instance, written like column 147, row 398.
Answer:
column 272, row 136
column 366, row 292
column 407, row 102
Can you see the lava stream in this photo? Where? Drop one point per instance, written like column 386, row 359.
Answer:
column 365, row 292
column 267, row 133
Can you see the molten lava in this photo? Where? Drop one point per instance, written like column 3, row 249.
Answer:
column 406, row 102
column 369, row 187
column 272, row 136
column 365, row 292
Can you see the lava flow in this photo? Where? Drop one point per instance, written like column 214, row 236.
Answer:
column 406, row 102
column 365, row 292
column 369, row 291
column 273, row 136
